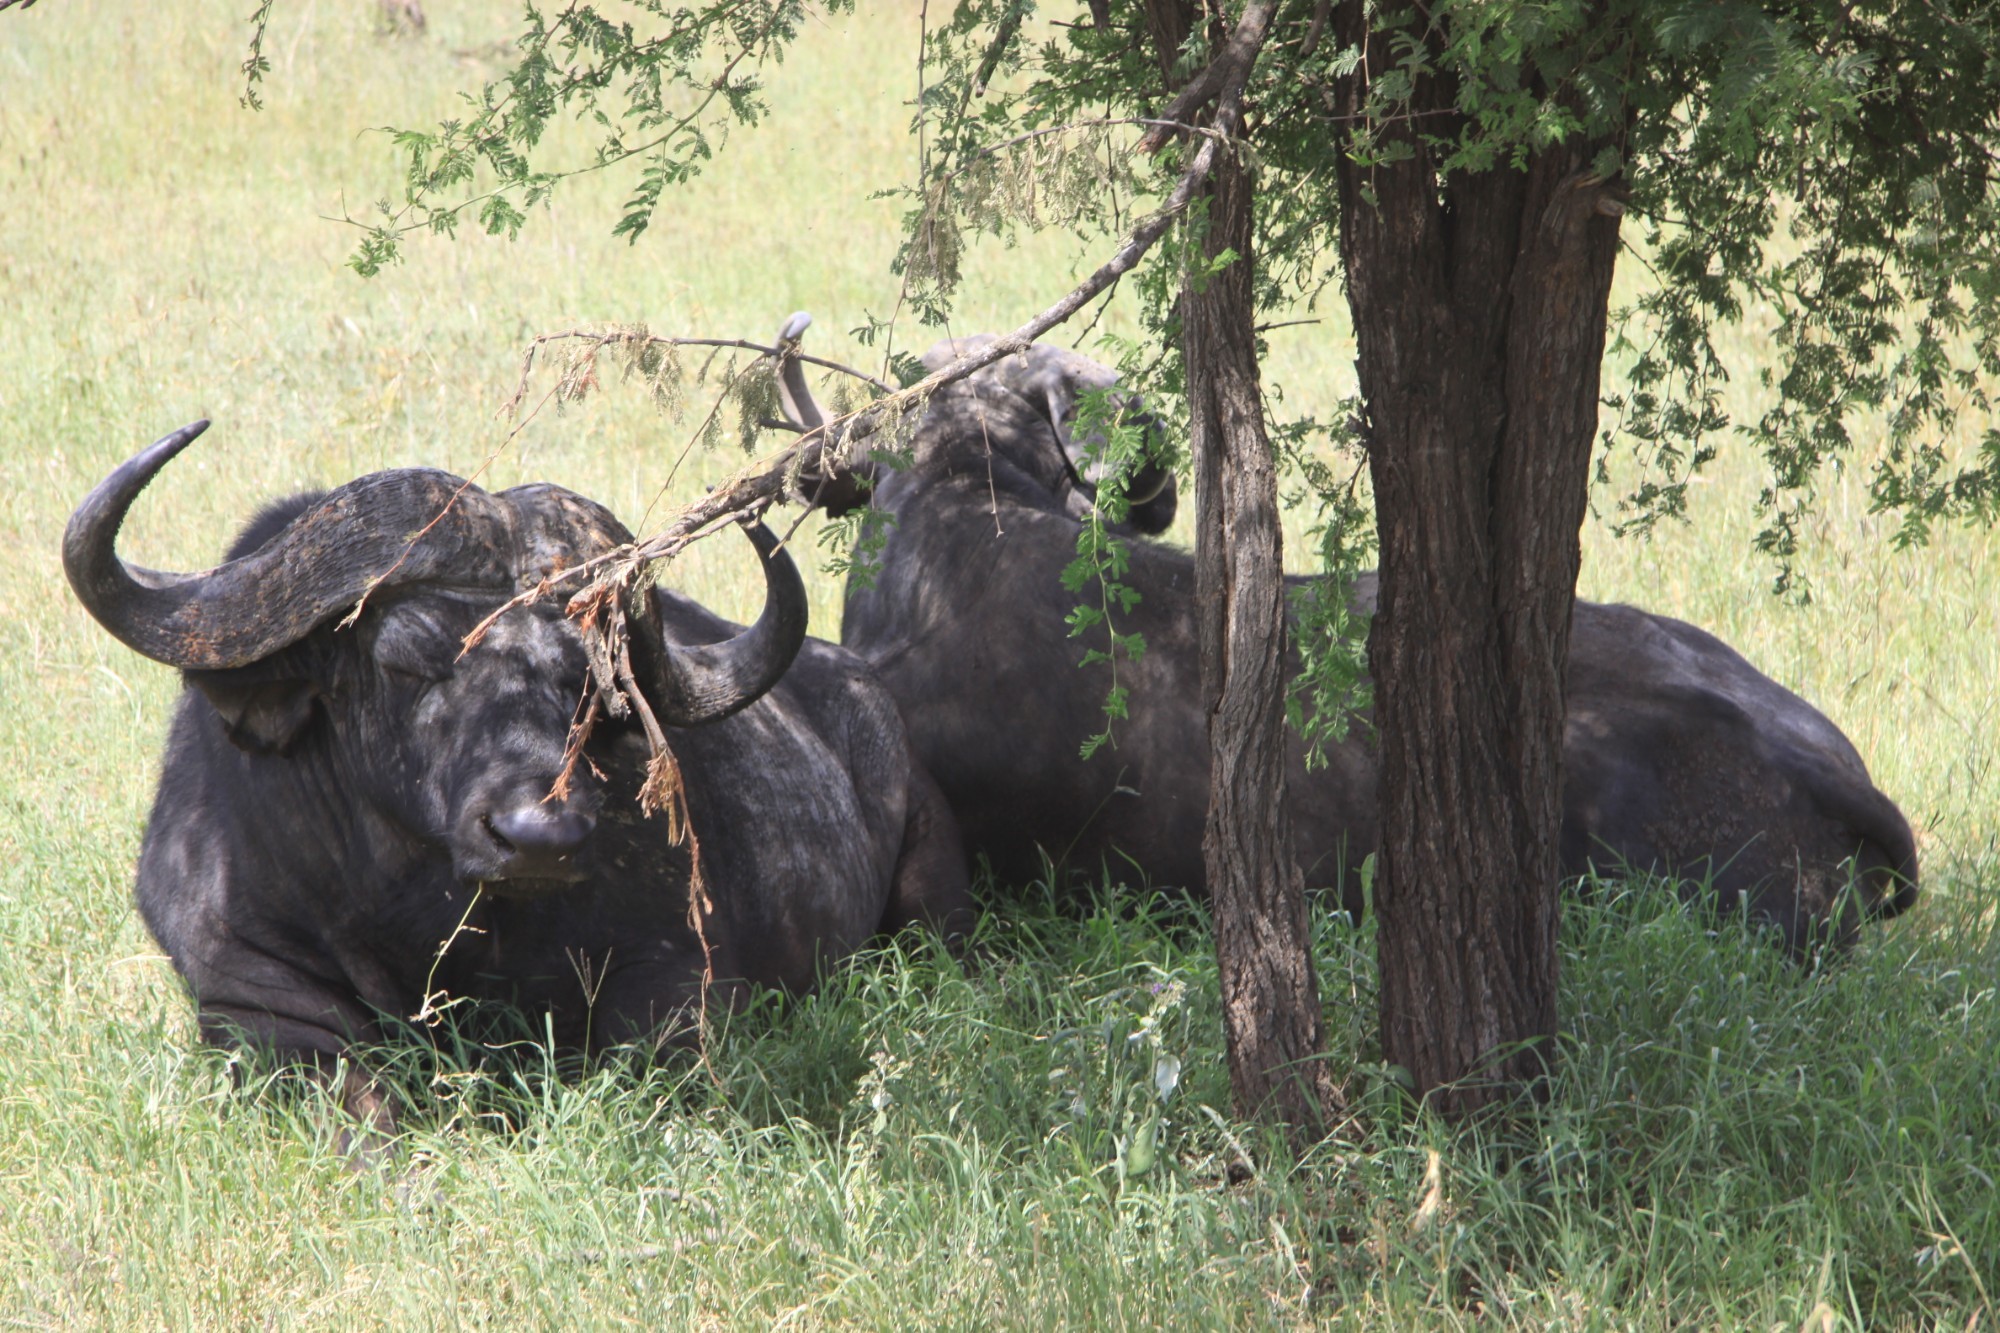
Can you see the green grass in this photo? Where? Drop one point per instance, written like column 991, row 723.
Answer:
column 1730, row 1144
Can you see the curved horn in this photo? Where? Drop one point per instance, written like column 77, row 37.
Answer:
column 794, row 395
column 840, row 481
column 361, row 534
column 694, row 685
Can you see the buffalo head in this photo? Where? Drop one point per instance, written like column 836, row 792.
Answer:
column 1015, row 422
column 399, row 734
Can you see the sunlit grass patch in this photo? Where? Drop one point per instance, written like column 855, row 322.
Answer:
column 1728, row 1137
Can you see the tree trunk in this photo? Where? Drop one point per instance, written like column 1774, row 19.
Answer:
column 1270, row 998
column 1479, row 304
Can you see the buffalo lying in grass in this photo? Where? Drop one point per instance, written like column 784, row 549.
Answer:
column 357, row 816
column 1679, row 755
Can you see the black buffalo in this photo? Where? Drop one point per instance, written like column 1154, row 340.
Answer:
column 1679, row 755
column 355, row 818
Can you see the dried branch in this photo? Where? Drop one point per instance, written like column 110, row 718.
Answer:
column 1154, row 123
column 754, row 488
column 580, row 729
column 601, row 338
column 598, row 606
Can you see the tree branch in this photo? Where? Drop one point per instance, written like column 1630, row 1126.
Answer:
column 757, row 487
column 396, row 225
column 611, row 337
column 1225, row 76
column 753, row 489
column 1318, row 26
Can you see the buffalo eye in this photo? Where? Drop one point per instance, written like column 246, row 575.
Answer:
column 413, row 646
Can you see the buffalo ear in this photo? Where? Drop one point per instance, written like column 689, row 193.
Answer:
column 839, row 495
column 259, row 716
column 1156, row 515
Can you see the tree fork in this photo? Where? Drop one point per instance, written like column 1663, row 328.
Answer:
column 1479, row 304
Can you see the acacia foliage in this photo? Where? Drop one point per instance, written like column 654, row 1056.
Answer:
column 660, row 85
column 1824, row 169
column 1828, row 167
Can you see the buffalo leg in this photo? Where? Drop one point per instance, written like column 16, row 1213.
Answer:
column 365, row 1140
column 930, row 884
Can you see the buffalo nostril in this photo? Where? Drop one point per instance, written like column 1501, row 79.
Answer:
column 537, row 832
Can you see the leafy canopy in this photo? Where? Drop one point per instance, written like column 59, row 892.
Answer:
column 1828, row 168
column 1824, row 167
column 660, row 83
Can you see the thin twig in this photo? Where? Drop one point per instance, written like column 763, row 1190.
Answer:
column 992, row 492
column 582, row 723
column 1154, row 123
column 666, row 789
column 607, row 338
column 361, row 602
column 694, row 437
column 1096, row 316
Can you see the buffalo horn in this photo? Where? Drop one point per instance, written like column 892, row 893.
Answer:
column 794, row 395
column 692, row 685
column 837, row 481
column 388, row 528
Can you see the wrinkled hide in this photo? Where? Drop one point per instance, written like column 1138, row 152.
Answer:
column 1679, row 757
column 332, row 810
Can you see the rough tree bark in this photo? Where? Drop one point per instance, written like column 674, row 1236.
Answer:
column 1263, row 943
column 1479, row 303
column 1270, row 997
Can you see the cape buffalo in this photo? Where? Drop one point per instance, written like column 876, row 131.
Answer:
column 1679, row 755
column 356, row 815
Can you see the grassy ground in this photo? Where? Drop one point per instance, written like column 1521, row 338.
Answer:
column 1730, row 1144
